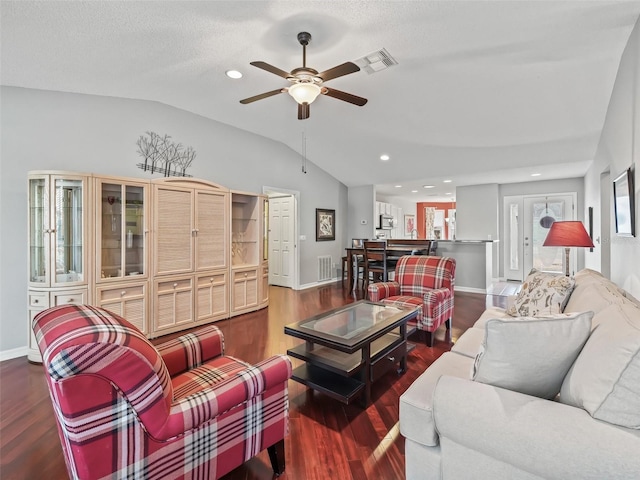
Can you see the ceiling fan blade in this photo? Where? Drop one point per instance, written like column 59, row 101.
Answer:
column 303, row 111
column 344, row 96
column 339, row 71
column 261, row 96
column 271, row 69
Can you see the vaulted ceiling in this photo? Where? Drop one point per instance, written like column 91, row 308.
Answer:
column 482, row 91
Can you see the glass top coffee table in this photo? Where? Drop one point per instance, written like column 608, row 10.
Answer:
column 349, row 348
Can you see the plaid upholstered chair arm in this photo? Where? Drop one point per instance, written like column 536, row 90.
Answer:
column 380, row 290
column 196, row 409
column 437, row 295
column 188, row 351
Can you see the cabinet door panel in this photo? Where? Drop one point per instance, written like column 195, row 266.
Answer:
column 245, row 289
column 174, row 231
column 173, row 304
column 212, row 297
column 128, row 301
column 211, row 230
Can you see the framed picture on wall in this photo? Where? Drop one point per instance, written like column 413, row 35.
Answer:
column 409, row 224
column 325, row 224
column 624, row 204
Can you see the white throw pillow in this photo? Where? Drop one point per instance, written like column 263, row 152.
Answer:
column 605, row 378
column 542, row 294
column 532, row 355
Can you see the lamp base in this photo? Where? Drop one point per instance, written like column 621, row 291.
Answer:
column 566, row 261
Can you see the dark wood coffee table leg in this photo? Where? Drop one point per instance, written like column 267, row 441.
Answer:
column 403, row 360
column 366, row 358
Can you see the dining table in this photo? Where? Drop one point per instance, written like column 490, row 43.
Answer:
column 394, row 252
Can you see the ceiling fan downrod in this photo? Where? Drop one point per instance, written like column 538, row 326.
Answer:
column 304, row 38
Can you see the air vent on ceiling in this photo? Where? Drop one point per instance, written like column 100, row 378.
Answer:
column 376, row 61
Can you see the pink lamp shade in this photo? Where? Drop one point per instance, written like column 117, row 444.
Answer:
column 567, row 234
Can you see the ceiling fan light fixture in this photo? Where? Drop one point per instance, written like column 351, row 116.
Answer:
column 304, row 92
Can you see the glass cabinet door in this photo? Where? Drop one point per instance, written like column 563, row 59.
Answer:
column 67, row 234
column 134, row 231
column 56, row 237
column 38, row 231
column 122, row 230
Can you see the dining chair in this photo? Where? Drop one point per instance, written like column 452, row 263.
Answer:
column 181, row 410
column 421, row 280
column 376, row 264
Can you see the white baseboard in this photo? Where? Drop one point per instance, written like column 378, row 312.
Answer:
column 470, row 290
column 14, row 353
column 317, row 284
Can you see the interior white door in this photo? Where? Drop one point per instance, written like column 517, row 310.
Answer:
column 281, row 240
column 539, row 213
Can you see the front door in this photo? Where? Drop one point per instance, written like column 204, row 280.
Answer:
column 281, row 240
column 527, row 220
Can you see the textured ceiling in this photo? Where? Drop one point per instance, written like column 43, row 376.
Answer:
column 483, row 91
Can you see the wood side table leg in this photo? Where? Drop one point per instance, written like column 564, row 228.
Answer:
column 350, row 271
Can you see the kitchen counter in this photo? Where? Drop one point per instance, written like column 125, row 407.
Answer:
column 476, row 262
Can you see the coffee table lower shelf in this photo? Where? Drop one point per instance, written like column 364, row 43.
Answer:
column 343, row 389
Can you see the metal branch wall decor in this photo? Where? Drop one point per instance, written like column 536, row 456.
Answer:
column 161, row 155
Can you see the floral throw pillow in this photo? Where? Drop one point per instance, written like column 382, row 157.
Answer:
column 542, row 294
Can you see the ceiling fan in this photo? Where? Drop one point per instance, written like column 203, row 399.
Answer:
column 307, row 83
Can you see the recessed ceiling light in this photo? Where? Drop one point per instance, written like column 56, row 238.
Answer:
column 448, row 193
column 536, row 174
column 235, row 74
column 446, row 181
column 414, row 191
column 428, row 186
column 384, row 157
column 398, row 186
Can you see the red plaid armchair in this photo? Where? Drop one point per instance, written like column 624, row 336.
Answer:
column 421, row 280
column 183, row 410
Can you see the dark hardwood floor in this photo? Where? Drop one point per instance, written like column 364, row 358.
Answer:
column 326, row 438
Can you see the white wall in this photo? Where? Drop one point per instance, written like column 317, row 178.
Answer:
column 477, row 212
column 86, row 133
column 618, row 149
column 362, row 207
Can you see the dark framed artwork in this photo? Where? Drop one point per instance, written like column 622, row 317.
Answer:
column 325, row 224
column 624, row 204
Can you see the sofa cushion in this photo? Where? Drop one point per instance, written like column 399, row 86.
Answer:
column 416, row 403
column 488, row 314
column 605, row 378
column 470, row 342
column 531, row 356
column 587, row 276
column 542, row 294
column 593, row 297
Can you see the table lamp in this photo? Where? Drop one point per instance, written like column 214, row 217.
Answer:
column 567, row 234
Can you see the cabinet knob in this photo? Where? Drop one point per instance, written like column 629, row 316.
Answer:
column 123, row 293
column 211, row 280
column 35, row 301
column 70, row 300
column 175, row 285
column 391, row 359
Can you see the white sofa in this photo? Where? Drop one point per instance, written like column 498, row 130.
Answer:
column 458, row 428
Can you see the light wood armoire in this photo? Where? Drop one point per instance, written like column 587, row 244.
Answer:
column 166, row 254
